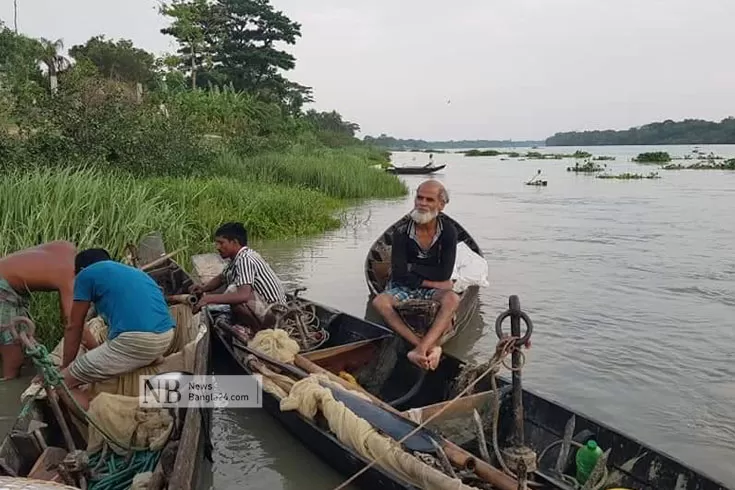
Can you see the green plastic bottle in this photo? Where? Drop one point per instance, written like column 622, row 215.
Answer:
column 587, row 457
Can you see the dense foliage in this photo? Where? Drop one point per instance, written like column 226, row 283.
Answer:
column 113, row 142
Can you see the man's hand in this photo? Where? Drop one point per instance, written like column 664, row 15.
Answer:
column 196, row 289
column 203, row 301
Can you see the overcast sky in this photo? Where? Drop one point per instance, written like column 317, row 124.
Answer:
column 483, row 69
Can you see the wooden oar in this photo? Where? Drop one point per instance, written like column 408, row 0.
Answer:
column 161, row 260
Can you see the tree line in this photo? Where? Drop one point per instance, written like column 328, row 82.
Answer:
column 391, row 143
column 686, row 132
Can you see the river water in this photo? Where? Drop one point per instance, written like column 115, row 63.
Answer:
column 630, row 284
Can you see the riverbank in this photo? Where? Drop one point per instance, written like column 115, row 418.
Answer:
column 101, row 158
column 276, row 195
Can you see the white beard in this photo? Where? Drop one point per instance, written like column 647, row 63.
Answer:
column 422, row 218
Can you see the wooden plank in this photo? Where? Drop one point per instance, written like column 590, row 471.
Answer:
column 463, row 406
column 320, row 354
column 150, row 248
column 45, row 467
column 191, row 450
column 207, row 266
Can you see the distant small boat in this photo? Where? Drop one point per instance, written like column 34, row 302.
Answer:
column 415, row 170
column 533, row 180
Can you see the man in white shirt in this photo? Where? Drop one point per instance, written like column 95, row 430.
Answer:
column 252, row 286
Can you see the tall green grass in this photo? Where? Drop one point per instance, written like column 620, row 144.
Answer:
column 93, row 208
column 340, row 173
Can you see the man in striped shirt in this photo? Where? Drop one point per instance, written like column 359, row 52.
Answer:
column 252, row 286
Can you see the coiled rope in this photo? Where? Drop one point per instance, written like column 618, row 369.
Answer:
column 301, row 322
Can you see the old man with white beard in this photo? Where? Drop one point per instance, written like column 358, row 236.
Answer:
column 422, row 262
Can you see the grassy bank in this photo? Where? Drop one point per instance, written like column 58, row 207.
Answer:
column 94, row 207
column 343, row 173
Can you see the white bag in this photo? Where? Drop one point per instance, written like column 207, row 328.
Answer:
column 470, row 269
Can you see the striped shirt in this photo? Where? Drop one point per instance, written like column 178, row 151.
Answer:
column 249, row 268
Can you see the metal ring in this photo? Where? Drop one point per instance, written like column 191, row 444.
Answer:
column 526, row 320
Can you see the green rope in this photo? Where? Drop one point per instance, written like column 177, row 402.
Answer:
column 116, row 474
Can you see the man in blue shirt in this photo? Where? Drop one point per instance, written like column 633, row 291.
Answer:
column 133, row 306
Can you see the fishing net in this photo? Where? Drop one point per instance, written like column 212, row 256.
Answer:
column 308, row 396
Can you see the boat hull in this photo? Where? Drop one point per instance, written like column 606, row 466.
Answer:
column 637, row 466
column 347, row 330
column 414, row 170
column 318, row 440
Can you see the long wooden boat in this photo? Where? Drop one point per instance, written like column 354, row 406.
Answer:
column 419, row 314
column 35, row 445
column 354, row 345
column 424, row 170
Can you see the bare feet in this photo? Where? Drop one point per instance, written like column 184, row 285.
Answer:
column 434, row 356
column 418, row 358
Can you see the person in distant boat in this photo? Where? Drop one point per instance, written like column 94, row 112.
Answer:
column 422, row 262
column 140, row 327
column 252, row 286
column 45, row 268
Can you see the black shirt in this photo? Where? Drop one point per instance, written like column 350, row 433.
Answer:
column 411, row 265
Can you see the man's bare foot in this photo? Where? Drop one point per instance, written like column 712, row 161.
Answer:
column 417, row 358
column 434, row 356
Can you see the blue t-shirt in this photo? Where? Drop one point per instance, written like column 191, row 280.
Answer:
column 128, row 299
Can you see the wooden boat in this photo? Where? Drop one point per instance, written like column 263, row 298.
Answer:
column 415, row 170
column 631, row 465
column 419, row 314
column 35, row 444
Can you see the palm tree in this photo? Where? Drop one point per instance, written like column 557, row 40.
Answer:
column 54, row 61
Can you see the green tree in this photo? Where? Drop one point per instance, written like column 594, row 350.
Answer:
column 120, row 61
column 234, row 43
column 194, row 25
column 331, row 121
column 19, row 58
column 248, row 55
column 53, row 59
